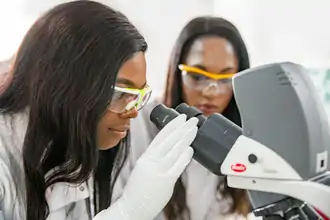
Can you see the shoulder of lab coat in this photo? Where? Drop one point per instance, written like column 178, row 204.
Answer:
column 66, row 202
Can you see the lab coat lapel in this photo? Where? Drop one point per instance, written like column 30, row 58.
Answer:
column 61, row 195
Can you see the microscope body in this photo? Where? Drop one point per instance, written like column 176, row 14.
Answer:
column 282, row 149
column 280, row 109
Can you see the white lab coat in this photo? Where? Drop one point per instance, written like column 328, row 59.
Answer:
column 203, row 199
column 66, row 201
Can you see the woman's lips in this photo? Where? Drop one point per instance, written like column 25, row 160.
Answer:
column 207, row 108
column 120, row 132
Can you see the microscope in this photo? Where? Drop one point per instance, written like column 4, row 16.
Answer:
column 281, row 153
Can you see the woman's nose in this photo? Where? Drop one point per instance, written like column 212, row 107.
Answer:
column 211, row 90
column 133, row 113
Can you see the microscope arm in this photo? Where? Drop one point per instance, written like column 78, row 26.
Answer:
column 252, row 166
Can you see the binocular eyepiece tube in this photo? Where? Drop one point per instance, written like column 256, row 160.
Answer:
column 161, row 115
column 215, row 137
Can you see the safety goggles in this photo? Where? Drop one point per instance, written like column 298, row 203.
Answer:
column 201, row 80
column 124, row 99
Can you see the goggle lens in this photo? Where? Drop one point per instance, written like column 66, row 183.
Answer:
column 200, row 80
column 124, row 99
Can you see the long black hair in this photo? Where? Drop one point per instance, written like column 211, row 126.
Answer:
column 196, row 28
column 64, row 74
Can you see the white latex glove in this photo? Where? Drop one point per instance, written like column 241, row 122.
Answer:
column 152, row 181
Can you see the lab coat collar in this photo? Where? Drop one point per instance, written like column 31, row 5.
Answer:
column 63, row 194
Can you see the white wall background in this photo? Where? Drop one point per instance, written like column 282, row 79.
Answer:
column 280, row 30
column 293, row 30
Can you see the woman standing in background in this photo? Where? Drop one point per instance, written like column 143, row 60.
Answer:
column 208, row 52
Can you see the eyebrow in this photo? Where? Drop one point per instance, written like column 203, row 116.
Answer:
column 125, row 81
column 200, row 67
column 128, row 83
column 225, row 70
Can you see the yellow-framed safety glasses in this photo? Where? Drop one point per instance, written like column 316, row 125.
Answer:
column 124, row 99
column 201, row 80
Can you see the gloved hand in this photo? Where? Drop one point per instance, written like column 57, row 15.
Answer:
column 152, row 181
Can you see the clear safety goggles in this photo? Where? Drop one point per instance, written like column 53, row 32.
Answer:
column 202, row 80
column 124, row 99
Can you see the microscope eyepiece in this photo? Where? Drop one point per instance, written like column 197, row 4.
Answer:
column 161, row 116
column 183, row 108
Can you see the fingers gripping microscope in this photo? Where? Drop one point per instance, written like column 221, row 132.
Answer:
column 281, row 153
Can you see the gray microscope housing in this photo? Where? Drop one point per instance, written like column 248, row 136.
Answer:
column 281, row 109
